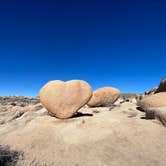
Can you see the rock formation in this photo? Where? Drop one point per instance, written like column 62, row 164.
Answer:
column 104, row 96
column 64, row 99
column 158, row 89
column 155, row 100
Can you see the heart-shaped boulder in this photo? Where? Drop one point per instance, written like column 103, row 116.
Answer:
column 64, row 99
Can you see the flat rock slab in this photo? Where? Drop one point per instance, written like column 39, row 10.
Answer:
column 108, row 137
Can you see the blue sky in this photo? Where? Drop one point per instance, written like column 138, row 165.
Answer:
column 107, row 43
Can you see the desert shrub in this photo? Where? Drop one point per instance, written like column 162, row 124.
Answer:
column 8, row 157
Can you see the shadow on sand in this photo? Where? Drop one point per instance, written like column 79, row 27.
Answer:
column 80, row 114
column 77, row 115
column 140, row 109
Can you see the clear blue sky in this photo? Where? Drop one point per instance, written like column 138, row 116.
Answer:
column 120, row 43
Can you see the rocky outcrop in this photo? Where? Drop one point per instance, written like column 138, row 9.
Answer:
column 18, row 100
column 9, row 113
column 152, row 91
column 162, row 86
column 158, row 89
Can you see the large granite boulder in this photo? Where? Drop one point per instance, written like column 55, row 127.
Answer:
column 104, row 96
column 64, row 99
column 155, row 100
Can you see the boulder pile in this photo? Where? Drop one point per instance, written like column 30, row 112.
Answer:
column 154, row 103
column 160, row 88
column 64, row 99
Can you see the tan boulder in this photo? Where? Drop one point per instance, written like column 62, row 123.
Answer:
column 155, row 100
column 104, row 96
column 64, row 99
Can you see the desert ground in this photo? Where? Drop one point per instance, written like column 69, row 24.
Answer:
column 118, row 134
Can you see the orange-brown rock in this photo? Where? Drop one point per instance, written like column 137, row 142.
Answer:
column 104, row 96
column 64, row 99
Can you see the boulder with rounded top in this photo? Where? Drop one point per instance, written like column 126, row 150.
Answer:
column 104, row 96
column 64, row 99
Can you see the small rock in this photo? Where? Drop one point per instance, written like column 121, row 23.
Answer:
column 132, row 113
column 96, row 111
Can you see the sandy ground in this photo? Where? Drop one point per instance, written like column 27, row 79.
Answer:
column 97, row 137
